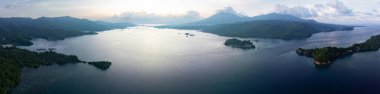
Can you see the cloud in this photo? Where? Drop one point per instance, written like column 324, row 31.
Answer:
column 334, row 12
column 336, row 8
column 298, row 11
column 5, row 4
column 230, row 10
column 152, row 18
column 8, row 6
column 227, row 10
column 373, row 12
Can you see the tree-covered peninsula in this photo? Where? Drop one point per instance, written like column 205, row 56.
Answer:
column 19, row 31
column 325, row 56
column 236, row 43
column 12, row 59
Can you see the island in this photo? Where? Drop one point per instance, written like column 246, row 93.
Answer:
column 103, row 65
column 325, row 56
column 12, row 59
column 236, row 43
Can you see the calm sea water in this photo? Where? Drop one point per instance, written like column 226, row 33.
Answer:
column 148, row 60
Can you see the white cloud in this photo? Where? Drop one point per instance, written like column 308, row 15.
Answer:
column 227, row 10
column 336, row 8
column 176, row 9
column 298, row 11
column 152, row 18
column 333, row 12
column 230, row 10
column 372, row 12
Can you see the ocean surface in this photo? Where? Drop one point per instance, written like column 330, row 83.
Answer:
column 148, row 60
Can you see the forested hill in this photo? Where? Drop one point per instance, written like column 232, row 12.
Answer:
column 19, row 31
column 273, row 25
column 277, row 29
column 12, row 59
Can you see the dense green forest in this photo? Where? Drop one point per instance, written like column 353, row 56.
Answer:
column 279, row 29
column 278, row 26
column 236, row 43
column 19, row 31
column 12, row 59
column 325, row 56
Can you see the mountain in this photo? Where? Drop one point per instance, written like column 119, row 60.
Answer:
column 228, row 18
column 225, row 18
column 19, row 31
column 273, row 25
column 221, row 18
column 276, row 16
column 277, row 29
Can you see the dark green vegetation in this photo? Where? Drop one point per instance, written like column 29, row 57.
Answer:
column 278, row 26
column 19, row 31
column 245, row 44
column 13, row 59
column 325, row 56
column 104, row 65
column 278, row 29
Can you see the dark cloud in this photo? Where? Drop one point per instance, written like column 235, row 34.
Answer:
column 374, row 10
column 152, row 18
column 10, row 3
column 8, row 6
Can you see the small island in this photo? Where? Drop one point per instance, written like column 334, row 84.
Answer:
column 236, row 43
column 325, row 56
column 103, row 65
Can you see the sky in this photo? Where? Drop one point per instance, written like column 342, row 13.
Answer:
column 182, row 11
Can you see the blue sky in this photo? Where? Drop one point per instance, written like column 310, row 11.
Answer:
column 171, row 11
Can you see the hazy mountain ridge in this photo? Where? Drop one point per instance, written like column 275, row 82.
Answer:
column 19, row 31
column 225, row 18
column 278, row 29
column 273, row 25
column 221, row 18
